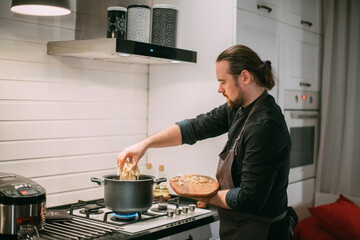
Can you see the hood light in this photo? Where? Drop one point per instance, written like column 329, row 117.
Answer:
column 124, row 54
column 175, row 61
column 41, row 8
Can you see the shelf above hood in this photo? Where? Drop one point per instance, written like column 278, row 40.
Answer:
column 120, row 50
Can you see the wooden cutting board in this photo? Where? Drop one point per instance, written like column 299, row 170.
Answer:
column 194, row 190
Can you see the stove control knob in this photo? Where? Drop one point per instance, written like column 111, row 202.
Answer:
column 170, row 212
column 192, row 207
column 177, row 211
column 185, row 209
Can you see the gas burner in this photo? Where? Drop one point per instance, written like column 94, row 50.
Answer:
column 127, row 217
column 91, row 209
column 157, row 209
column 162, row 207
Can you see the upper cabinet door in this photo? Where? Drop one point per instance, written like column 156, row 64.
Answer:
column 304, row 14
column 300, row 58
column 266, row 8
column 262, row 35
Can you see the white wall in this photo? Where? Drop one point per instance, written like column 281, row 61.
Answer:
column 184, row 91
column 63, row 120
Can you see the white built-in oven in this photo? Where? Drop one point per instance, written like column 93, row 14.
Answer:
column 302, row 116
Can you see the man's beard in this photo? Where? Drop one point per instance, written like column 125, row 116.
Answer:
column 238, row 101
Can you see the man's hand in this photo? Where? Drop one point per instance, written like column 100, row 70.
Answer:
column 219, row 199
column 133, row 153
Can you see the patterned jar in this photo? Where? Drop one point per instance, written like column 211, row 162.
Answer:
column 116, row 22
column 164, row 25
column 139, row 23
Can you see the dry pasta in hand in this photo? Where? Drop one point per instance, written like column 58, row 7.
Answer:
column 127, row 174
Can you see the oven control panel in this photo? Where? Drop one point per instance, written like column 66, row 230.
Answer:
column 301, row 100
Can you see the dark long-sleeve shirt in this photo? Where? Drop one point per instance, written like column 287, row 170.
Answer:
column 261, row 166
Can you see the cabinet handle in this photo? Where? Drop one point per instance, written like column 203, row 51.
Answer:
column 269, row 9
column 305, row 116
column 304, row 84
column 306, row 22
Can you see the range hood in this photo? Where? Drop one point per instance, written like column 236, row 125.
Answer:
column 120, row 50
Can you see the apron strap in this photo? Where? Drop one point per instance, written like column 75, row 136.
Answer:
column 279, row 217
column 223, row 173
column 257, row 103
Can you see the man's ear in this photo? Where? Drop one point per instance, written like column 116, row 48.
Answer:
column 245, row 77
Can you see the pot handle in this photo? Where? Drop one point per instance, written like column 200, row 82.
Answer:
column 97, row 180
column 160, row 180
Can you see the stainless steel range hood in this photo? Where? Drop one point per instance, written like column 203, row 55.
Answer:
column 119, row 50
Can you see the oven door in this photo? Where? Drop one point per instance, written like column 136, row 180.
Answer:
column 303, row 128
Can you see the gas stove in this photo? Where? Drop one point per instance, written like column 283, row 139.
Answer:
column 92, row 220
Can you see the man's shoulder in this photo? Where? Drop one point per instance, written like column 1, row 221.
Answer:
column 269, row 118
column 269, row 113
column 224, row 109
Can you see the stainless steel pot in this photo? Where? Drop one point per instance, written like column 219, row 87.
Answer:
column 128, row 196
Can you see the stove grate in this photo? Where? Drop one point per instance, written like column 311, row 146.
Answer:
column 77, row 228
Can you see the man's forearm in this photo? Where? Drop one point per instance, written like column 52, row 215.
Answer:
column 168, row 137
column 218, row 200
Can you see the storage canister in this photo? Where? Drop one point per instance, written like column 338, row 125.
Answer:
column 164, row 25
column 116, row 22
column 139, row 23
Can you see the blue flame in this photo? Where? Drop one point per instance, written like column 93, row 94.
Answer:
column 132, row 215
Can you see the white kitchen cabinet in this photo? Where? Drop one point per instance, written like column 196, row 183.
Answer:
column 278, row 35
column 300, row 59
column 304, row 14
column 262, row 35
column 301, row 196
column 267, row 8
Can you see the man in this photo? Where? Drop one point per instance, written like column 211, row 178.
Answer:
column 254, row 165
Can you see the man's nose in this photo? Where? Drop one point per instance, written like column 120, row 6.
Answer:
column 220, row 89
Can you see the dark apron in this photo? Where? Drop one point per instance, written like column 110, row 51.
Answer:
column 233, row 224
